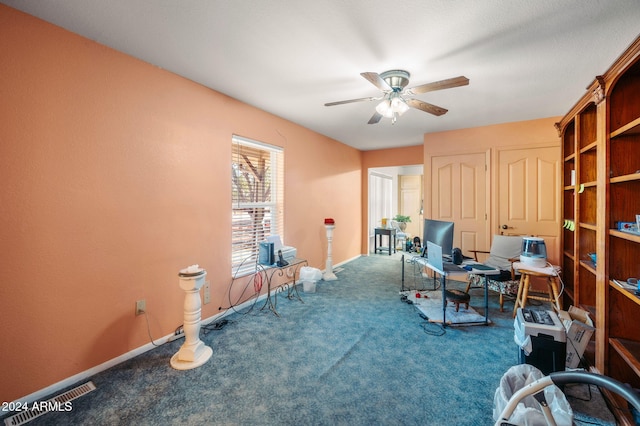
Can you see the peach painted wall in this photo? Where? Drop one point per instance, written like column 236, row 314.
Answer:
column 529, row 133
column 519, row 133
column 115, row 175
column 404, row 156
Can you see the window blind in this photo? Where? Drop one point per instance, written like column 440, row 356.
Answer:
column 257, row 200
column 380, row 199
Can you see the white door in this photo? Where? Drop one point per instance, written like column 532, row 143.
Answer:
column 459, row 194
column 529, row 195
column 410, row 202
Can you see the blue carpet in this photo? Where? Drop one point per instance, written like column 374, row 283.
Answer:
column 352, row 354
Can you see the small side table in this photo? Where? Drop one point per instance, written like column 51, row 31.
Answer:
column 391, row 233
column 289, row 273
column 551, row 275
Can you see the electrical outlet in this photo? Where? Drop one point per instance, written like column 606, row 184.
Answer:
column 141, row 307
column 178, row 334
column 207, row 292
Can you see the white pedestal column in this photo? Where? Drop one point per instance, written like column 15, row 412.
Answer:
column 328, row 270
column 193, row 353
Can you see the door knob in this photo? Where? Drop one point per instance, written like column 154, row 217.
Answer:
column 505, row 227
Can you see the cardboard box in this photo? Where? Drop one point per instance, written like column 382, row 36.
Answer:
column 579, row 328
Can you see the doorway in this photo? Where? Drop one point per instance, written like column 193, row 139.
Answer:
column 392, row 190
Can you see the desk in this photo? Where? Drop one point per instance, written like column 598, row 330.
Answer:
column 451, row 268
column 289, row 284
column 551, row 273
column 379, row 232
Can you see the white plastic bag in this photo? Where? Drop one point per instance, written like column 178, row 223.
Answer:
column 519, row 337
column 528, row 411
column 307, row 273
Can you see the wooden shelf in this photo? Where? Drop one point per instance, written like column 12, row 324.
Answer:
column 589, row 147
column 627, row 293
column 625, row 235
column 607, row 169
column 589, row 266
column 629, row 350
column 632, row 128
column 625, row 178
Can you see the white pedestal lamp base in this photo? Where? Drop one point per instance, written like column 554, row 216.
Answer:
column 328, row 270
column 329, row 276
column 200, row 359
column 193, row 353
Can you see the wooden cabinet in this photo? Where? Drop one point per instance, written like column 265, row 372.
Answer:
column 601, row 188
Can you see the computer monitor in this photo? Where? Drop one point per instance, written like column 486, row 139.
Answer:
column 439, row 232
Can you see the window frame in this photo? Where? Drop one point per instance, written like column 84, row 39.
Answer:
column 266, row 212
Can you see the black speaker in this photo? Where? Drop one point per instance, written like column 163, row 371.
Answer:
column 456, row 256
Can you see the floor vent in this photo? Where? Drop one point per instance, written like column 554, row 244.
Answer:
column 56, row 403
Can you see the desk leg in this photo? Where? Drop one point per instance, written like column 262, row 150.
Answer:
column 292, row 291
column 402, row 260
column 486, row 300
column 269, row 303
column 444, row 299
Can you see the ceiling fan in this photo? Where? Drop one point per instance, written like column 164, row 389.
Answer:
column 395, row 101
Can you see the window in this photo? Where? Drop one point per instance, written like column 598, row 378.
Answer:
column 257, row 186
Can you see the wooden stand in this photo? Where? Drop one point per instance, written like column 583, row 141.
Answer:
column 525, row 285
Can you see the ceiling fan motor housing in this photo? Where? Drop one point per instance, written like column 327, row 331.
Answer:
column 397, row 79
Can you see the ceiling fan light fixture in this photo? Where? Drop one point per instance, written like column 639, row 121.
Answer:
column 385, row 108
column 399, row 105
column 394, row 104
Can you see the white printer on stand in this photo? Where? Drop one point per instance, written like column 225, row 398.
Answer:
column 289, row 252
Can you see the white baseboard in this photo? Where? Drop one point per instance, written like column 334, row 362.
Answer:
column 41, row 394
column 346, row 261
column 69, row 381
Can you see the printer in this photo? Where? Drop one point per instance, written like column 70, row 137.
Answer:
column 542, row 339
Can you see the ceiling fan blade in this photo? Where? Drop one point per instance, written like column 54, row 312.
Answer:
column 439, row 85
column 375, row 79
column 426, row 107
column 350, row 101
column 375, row 118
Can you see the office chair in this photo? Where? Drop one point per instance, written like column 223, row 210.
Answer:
column 505, row 249
column 401, row 236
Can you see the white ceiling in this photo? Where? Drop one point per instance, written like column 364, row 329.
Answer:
column 525, row 59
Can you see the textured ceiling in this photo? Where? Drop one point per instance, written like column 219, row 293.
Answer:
column 525, row 59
